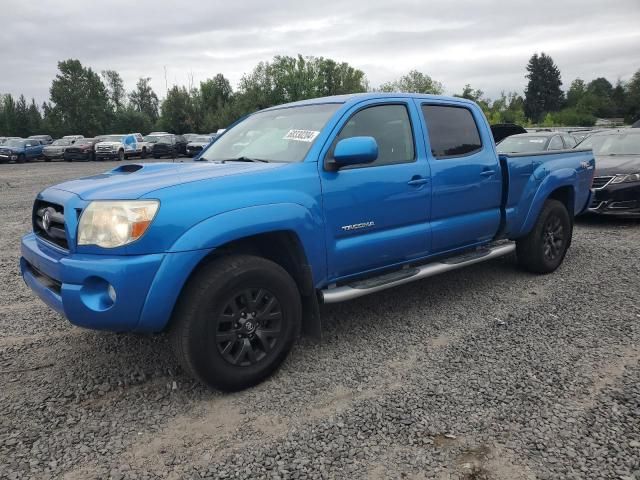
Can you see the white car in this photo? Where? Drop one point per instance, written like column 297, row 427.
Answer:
column 122, row 146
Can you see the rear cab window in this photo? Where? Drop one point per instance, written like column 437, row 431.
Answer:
column 453, row 131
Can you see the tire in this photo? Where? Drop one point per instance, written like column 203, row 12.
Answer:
column 143, row 154
column 121, row 155
column 47, row 159
column 544, row 248
column 156, row 156
column 213, row 332
column 66, row 159
column 21, row 158
column 92, row 157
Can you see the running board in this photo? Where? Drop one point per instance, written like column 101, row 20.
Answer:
column 400, row 277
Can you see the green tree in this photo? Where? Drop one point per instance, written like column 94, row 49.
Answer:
column 22, row 117
column 9, row 124
column 543, row 93
column 576, row 91
column 128, row 120
column 214, row 98
column 80, row 99
column 34, row 118
column 179, row 111
column 115, row 89
column 632, row 102
column 414, row 82
column 144, row 99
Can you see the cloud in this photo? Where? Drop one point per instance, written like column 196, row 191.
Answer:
column 481, row 42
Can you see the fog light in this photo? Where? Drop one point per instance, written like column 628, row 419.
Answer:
column 112, row 293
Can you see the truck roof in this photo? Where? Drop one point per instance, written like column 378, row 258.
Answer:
column 359, row 97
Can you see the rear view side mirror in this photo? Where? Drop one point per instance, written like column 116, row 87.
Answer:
column 355, row 151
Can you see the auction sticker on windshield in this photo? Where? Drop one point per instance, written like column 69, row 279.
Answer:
column 301, row 135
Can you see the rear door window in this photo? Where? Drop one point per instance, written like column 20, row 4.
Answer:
column 453, row 131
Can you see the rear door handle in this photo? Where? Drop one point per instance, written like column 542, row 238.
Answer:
column 488, row 173
column 418, row 181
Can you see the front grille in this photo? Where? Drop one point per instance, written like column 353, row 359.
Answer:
column 103, row 148
column 600, row 182
column 73, row 150
column 52, row 228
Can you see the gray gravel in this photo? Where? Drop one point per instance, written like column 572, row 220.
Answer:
column 484, row 373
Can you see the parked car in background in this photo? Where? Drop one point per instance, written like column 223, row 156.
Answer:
column 45, row 139
column 189, row 137
column 197, row 143
column 55, row 151
column 83, row 150
column 121, row 147
column 20, row 150
column 73, row 138
column 500, row 131
column 536, row 142
column 167, row 145
column 616, row 182
column 319, row 201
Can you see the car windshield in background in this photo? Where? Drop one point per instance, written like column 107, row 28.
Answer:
column 522, row 144
column 62, row 142
column 15, row 143
column 111, row 138
column 157, row 139
column 85, row 141
column 282, row 135
column 618, row 143
column 201, row 139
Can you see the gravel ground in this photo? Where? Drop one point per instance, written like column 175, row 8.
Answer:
column 483, row 373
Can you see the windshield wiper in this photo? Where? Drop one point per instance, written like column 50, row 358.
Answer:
column 244, row 159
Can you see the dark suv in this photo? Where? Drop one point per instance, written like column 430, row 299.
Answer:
column 167, row 145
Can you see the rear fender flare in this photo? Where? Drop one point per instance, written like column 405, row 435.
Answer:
column 565, row 177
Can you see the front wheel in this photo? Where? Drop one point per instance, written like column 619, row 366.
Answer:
column 121, row 155
column 21, row 158
column 236, row 321
column 544, row 248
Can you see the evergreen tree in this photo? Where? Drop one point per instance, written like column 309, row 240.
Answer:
column 144, row 99
column 543, row 93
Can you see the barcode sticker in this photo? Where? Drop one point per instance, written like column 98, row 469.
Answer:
column 301, row 135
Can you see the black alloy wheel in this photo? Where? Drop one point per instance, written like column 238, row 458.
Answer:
column 249, row 327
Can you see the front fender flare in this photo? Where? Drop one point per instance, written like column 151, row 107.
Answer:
column 245, row 222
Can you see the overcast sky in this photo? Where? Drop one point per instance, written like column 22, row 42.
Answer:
column 482, row 42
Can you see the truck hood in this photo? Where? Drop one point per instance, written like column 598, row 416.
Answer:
column 607, row 165
column 135, row 180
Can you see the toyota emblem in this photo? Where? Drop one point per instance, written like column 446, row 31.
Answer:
column 46, row 221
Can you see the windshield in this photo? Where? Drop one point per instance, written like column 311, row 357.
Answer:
column 112, row 138
column 613, row 143
column 158, row 139
column 15, row 143
column 517, row 144
column 283, row 135
column 62, row 142
column 201, row 139
column 85, row 141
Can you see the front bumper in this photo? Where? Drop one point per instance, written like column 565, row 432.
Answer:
column 84, row 156
column 53, row 156
column 620, row 200
column 8, row 157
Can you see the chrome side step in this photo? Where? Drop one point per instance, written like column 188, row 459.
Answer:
column 400, row 277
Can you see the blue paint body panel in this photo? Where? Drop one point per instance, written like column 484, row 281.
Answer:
column 349, row 223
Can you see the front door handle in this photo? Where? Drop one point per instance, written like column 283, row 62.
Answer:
column 418, row 181
column 488, row 173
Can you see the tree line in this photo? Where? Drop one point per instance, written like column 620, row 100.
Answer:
column 83, row 101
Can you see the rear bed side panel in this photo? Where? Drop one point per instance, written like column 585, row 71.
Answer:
column 533, row 178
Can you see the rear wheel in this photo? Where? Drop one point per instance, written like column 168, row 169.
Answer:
column 544, row 248
column 236, row 321
column 121, row 156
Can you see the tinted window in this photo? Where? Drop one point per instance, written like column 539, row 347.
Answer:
column 556, row 143
column 452, row 131
column 390, row 126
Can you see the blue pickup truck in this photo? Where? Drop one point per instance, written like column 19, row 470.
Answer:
column 312, row 202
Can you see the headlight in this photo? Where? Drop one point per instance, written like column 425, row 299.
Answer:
column 111, row 224
column 632, row 177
